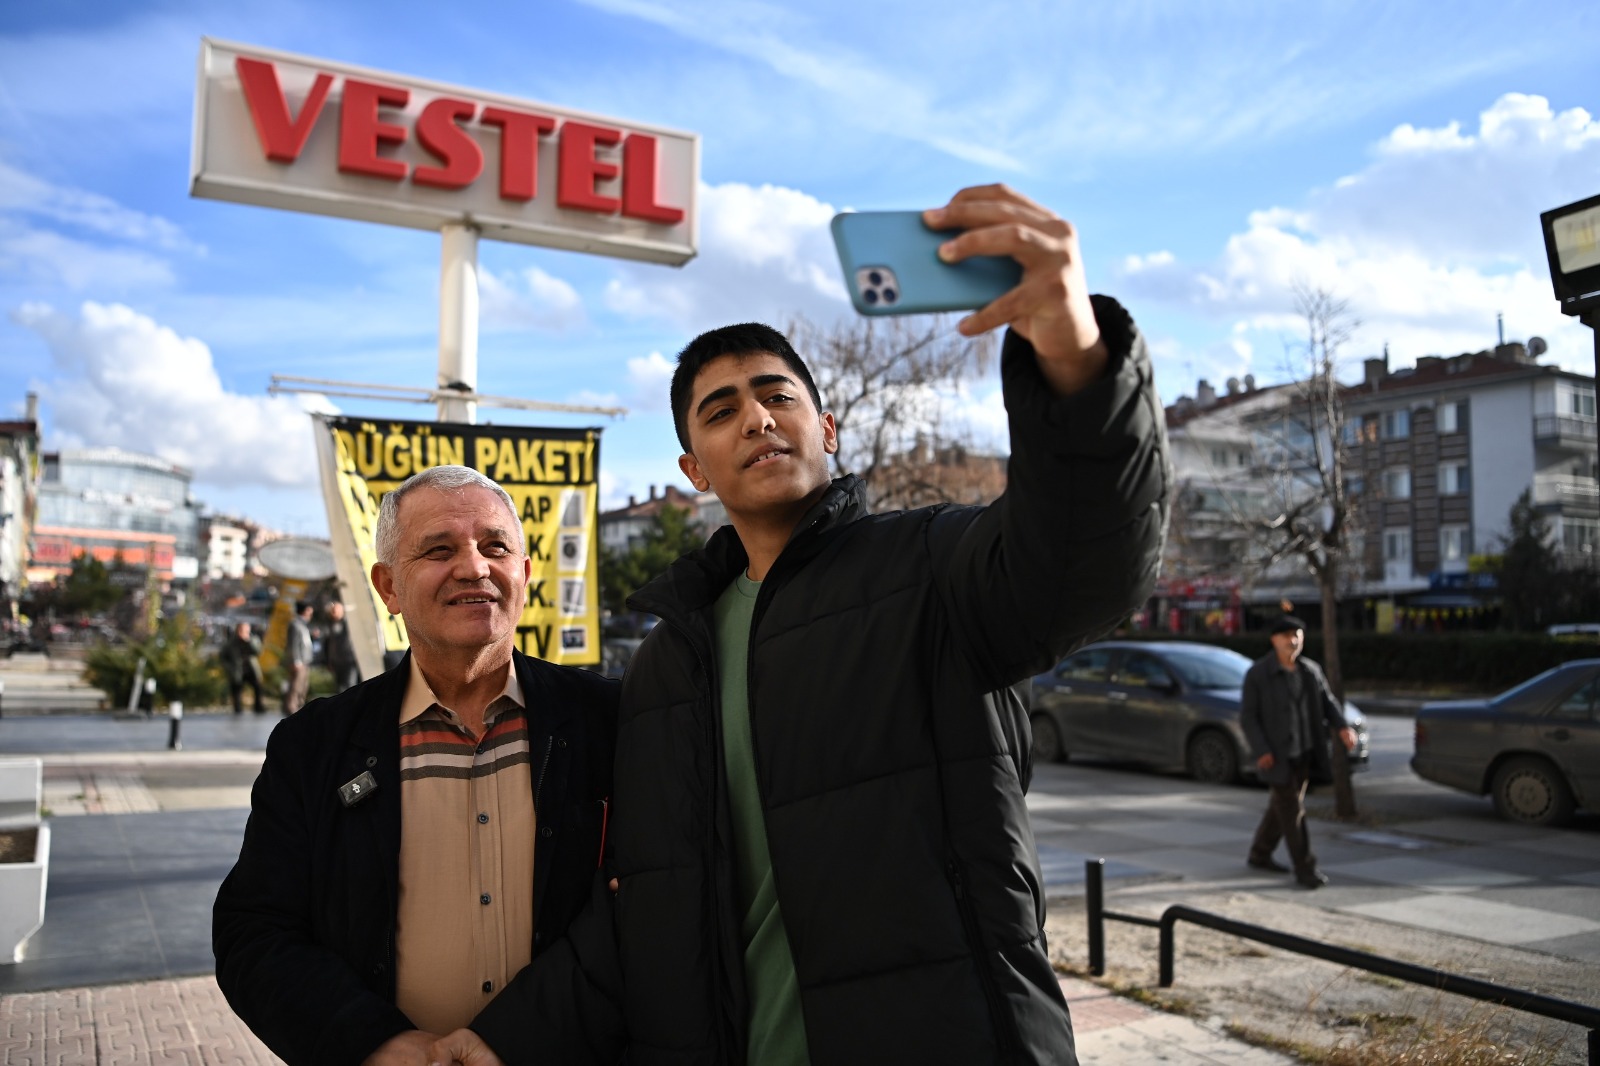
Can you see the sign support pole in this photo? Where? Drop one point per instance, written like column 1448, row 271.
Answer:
column 458, row 322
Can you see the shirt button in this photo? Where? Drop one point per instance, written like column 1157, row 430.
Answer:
column 546, row 831
column 488, row 986
column 561, row 743
column 484, row 899
column 483, row 818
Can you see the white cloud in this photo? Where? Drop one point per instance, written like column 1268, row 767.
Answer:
column 122, row 379
column 765, row 254
column 909, row 105
column 43, row 257
column 528, row 299
column 649, row 380
column 1437, row 234
column 26, row 194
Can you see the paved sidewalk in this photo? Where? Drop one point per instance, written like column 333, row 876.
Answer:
column 186, row 1020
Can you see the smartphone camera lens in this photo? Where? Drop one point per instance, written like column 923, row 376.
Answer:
column 870, row 295
column 889, row 296
column 874, row 278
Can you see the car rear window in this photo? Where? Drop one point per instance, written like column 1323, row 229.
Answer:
column 1202, row 667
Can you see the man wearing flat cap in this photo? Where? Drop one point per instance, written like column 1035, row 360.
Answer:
column 1288, row 713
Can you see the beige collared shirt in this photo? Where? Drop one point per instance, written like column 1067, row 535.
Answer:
column 467, row 827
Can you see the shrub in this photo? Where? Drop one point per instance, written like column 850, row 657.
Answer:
column 173, row 655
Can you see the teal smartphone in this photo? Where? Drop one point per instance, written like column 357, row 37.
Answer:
column 892, row 266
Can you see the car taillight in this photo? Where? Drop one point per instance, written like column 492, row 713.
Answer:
column 1420, row 736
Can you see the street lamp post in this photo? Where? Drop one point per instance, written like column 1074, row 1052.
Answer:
column 1572, row 243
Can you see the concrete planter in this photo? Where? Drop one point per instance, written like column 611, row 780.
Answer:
column 24, row 869
column 24, row 854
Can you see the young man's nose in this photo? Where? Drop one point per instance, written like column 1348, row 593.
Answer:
column 757, row 419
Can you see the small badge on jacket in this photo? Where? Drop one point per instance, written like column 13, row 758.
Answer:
column 358, row 788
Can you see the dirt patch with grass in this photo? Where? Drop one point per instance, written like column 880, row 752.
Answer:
column 17, row 845
column 1320, row 1011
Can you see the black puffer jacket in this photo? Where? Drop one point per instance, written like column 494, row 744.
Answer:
column 890, row 756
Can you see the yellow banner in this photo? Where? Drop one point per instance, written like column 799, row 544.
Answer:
column 551, row 475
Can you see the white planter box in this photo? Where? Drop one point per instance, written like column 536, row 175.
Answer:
column 22, row 888
column 21, row 787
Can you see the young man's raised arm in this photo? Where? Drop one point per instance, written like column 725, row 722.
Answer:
column 1074, row 543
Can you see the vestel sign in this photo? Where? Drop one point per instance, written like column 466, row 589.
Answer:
column 309, row 135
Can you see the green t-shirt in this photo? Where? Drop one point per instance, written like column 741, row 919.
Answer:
column 777, row 1029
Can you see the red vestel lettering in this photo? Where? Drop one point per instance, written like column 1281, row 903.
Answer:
column 281, row 137
column 439, row 134
column 577, row 168
column 639, row 172
column 360, row 131
column 519, row 149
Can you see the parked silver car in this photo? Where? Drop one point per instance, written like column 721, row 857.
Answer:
column 1169, row 703
column 1535, row 748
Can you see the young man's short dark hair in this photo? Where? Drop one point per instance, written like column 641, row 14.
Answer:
column 743, row 339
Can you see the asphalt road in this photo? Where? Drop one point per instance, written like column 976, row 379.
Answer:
column 1418, row 855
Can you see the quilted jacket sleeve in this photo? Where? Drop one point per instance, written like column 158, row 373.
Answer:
column 1074, row 543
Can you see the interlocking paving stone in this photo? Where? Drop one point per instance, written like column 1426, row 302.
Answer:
column 183, row 1022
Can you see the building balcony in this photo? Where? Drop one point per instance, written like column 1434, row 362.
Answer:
column 1564, row 431
column 1567, row 493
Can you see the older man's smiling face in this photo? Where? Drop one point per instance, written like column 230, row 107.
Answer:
column 459, row 573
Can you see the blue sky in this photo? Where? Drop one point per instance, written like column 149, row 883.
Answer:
column 1210, row 154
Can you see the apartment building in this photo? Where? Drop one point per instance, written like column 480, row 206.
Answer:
column 1439, row 452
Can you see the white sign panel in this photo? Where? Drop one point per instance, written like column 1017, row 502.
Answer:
column 304, row 134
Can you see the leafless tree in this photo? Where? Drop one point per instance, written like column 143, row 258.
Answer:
column 886, row 380
column 1302, row 455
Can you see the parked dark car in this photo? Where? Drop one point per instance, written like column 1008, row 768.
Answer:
column 1170, row 703
column 1535, row 748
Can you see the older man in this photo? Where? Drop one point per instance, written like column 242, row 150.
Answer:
column 427, row 838
column 1287, row 713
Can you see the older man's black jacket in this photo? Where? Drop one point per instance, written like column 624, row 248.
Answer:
column 1264, row 715
column 890, row 755
column 304, row 925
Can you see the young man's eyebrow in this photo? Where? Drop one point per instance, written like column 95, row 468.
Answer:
column 760, row 381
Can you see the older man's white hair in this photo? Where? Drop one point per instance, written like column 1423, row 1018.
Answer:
column 444, row 479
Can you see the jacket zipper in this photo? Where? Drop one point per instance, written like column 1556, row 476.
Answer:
column 538, row 787
column 1004, row 1024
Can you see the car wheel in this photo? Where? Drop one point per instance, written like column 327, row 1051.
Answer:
column 1212, row 758
column 1532, row 791
column 1046, row 740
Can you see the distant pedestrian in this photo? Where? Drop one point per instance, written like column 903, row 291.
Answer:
column 241, row 664
column 1287, row 715
column 340, row 651
column 297, row 658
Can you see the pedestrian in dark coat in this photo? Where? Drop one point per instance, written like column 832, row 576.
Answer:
column 339, row 649
column 1288, row 714
column 241, row 664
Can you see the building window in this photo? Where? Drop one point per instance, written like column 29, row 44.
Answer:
column 1397, row 483
column 1580, row 535
column 1243, row 459
column 1455, row 544
column 1397, row 545
column 1450, row 420
column 1396, row 424
column 1219, row 457
column 1582, row 403
column 1453, row 479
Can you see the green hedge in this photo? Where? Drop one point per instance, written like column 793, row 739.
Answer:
column 1476, row 662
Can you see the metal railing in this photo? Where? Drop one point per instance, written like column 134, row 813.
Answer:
column 1562, row 1010
column 1563, row 427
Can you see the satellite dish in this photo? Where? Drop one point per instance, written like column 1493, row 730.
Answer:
column 1537, row 347
column 303, row 560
